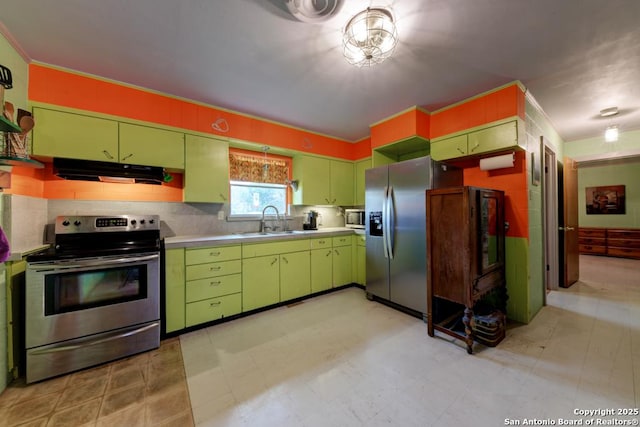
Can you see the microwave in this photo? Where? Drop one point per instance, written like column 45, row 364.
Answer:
column 354, row 218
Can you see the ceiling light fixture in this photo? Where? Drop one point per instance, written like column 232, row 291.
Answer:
column 369, row 37
column 611, row 133
column 608, row 112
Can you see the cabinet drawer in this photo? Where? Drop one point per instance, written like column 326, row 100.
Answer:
column 592, row 249
column 321, row 242
column 623, row 234
column 212, row 287
column 213, row 309
column 624, row 252
column 449, row 148
column 213, row 254
column 592, row 232
column 624, row 243
column 341, row 241
column 274, row 248
column 493, row 139
column 213, row 269
column 599, row 241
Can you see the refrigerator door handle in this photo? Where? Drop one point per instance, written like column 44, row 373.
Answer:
column 384, row 222
column 391, row 223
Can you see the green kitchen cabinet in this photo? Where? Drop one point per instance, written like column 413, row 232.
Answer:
column 494, row 138
column 341, row 183
column 359, row 169
column 144, row 145
column 295, row 277
column 75, row 136
column 360, row 259
column 206, row 172
column 489, row 139
column 212, row 309
column 323, row 181
column 321, row 269
column 175, row 289
column 450, row 148
column 342, row 262
column 260, row 282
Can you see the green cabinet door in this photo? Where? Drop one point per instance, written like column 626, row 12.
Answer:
column 449, row 148
column 341, row 183
column 361, row 265
column 206, row 172
column 360, row 167
column 342, row 266
column 75, row 136
column 321, row 269
column 260, row 282
column 494, row 138
column 144, row 145
column 313, row 175
column 295, row 277
column 175, row 290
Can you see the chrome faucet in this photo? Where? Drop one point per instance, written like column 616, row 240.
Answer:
column 263, row 226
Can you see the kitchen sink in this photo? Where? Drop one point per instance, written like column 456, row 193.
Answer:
column 269, row 233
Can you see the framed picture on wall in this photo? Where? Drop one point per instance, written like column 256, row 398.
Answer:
column 605, row 200
column 536, row 163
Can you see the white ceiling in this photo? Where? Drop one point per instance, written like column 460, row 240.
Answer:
column 575, row 56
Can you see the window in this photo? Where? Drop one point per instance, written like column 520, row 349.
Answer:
column 250, row 198
column 257, row 180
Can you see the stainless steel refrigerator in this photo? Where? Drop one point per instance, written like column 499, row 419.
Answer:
column 396, row 228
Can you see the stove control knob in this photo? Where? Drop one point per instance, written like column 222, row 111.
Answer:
column 76, row 223
column 152, row 221
column 134, row 222
column 66, row 222
column 142, row 221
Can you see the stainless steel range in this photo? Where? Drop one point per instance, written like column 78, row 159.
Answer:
column 95, row 296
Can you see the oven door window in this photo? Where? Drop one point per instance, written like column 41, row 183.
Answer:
column 66, row 292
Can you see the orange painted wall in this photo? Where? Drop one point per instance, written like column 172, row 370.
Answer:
column 54, row 86
column 26, row 182
column 410, row 123
column 501, row 104
column 361, row 149
column 513, row 182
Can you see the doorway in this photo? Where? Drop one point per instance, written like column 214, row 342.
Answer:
column 550, row 224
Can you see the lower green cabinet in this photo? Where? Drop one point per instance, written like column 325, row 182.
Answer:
column 360, row 259
column 213, row 309
column 260, row 282
column 342, row 274
column 174, row 290
column 321, row 269
column 295, row 278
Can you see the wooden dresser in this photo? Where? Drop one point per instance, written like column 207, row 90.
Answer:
column 618, row 242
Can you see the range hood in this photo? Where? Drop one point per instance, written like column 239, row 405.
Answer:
column 89, row 170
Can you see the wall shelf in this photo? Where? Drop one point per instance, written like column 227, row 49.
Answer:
column 7, row 126
column 20, row 161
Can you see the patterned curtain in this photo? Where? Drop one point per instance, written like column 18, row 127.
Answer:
column 255, row 168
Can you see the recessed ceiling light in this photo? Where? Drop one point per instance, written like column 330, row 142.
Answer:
column 608, row 112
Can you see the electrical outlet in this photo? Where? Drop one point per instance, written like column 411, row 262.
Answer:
column 221, row 215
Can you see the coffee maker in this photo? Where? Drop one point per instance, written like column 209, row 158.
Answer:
column 311, row 221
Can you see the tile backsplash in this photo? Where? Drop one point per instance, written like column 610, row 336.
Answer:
column 25, row 218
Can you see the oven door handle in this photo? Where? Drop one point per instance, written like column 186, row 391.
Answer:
column 94, row 262
column 90, row 342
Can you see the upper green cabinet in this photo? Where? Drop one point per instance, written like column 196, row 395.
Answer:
column 75, row 136
column 360, row 167
column 206, row 175
column 80, row 136
column 144, row 145
column 323, row 181
column 503, row 136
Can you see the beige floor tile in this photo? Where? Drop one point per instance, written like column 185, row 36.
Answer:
column 121, row 399
column 133, row 415
column 77, row 415
column 167, row 405
column 79, row 392
column 29, row 410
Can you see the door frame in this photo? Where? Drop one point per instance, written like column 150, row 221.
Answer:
column 551, row 264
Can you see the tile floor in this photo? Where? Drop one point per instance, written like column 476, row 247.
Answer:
column 144, row 390
column 340, row 360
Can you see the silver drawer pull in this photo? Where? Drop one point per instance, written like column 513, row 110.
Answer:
column 216, row 268
column 214, row 254
column 215, row 283
column 321, row 242
column 461, row 152
column 328, row 253
column 213, row 304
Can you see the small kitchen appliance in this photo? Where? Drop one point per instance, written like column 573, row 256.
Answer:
column 311, row 221
column 94, row 296
column 354, row 218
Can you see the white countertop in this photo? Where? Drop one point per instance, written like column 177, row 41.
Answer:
column 251, row 237
column 18, row 254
